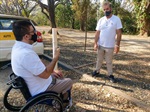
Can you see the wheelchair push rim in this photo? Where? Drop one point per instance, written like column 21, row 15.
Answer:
column 39, row 104
column 6, row 103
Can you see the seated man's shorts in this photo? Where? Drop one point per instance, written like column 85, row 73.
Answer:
column 61, row 85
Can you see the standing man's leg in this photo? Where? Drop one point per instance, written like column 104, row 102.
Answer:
column 109, row 59
column 100, row 58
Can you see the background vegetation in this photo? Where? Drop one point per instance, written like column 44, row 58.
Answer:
column 81, row 14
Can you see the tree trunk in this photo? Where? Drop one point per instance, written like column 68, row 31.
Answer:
column 52, row 12
column 148, row 20
column 82, row 25
column 73, row 22
column 51, row 7
column 148, row 26
column 148, row 29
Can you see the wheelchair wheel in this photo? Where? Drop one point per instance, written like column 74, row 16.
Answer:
column 13, row 99
column 48, row 102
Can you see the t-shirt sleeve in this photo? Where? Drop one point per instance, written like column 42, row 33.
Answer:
column 98, row 25
column 119, row 24
column 33, row 64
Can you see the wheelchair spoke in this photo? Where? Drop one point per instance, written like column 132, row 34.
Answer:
column 43, row 104
column 13, row 99
column 41, row 108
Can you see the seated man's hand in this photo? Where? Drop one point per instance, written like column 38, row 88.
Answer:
column 57, row 53
column 58, row 74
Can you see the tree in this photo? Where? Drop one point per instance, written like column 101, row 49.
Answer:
column 17, row 7
column 39, row 18
column 64, row 15
column 141, row 9
column 128, row 20
column 49, row 10
column 27, row 7
column 83, row 9
column 80, row 8
column 10, row 7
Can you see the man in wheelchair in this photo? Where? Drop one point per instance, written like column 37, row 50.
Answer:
column 27, row 64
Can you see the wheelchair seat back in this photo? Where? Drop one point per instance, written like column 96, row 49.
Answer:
column 18, row 82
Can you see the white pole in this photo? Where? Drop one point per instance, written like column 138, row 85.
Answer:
column 54, row 42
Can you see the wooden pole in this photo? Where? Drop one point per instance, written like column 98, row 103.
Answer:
column 54, row 42
column 85, row 30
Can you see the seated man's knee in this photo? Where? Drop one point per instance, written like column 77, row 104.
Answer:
column 70, row 81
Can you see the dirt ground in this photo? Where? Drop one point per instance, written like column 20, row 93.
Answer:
column 131, row 68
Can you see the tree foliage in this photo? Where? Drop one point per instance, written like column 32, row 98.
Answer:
column 128, row 21
column 142, row 14
column 27, row 7
column 39, row 18
column 10, row 7
column 83, row 10
column 142, row 11
column 17, row 7
column 64, row 16
column 81, row 14
column 49, row 9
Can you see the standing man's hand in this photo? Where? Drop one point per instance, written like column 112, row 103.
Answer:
column 116, row 49
column 117, row 46
column 97, row 34
column 95, row 47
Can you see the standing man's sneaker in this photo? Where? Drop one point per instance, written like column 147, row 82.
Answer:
column 95, row 73
column 112, row 79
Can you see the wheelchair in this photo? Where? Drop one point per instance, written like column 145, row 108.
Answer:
column 48, row 101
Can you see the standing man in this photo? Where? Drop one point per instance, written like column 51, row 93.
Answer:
column 105, row 42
